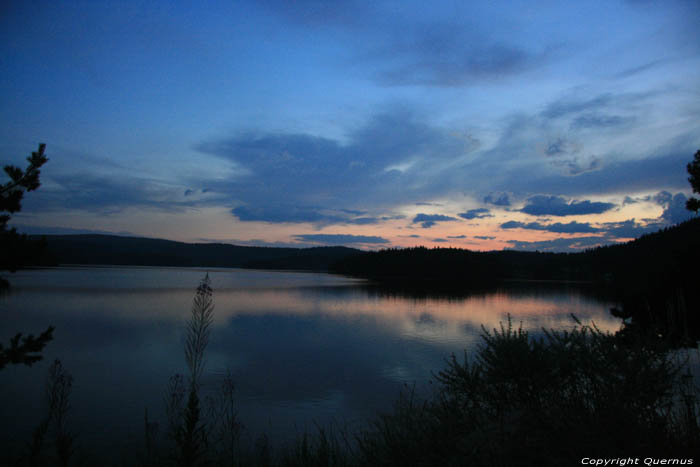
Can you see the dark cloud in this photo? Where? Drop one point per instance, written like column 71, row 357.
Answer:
column 675, row 211
column 642, row 68
column 497, row 200
column 428, row 220
column 662, row 198
column 578, row 171
column 439, row 60
column 511, row 225
column 188, row 192
column 566, row 107
column 363, row 221
column 456, row 236
column 298, row 170
column 484, row 237
column 283, row 214
column 353, row 212
column 480, row 213
column 571, row 227
column 108, row 194
column 341, row 239
column 556, row 147
column 440, row 240
column 629, row 229
column 594, row 120
column 577, row 166
column 610, row 231
column 541, row 205
column 665, row 171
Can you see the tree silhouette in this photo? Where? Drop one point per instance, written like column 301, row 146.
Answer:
column 693, row 204
column 16, row 249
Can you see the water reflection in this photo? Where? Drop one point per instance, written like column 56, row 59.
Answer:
column 300, row 346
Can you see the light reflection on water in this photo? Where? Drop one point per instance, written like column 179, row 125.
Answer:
column 301, row 347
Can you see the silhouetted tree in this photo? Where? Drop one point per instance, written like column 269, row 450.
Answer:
column 15, row 249
column 693, row 204
column 24, row 350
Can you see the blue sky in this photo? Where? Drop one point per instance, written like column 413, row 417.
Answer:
column 482, row 125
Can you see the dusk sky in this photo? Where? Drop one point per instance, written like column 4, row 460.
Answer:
column 481, row 125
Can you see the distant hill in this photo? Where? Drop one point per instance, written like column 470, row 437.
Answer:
column 117, row 250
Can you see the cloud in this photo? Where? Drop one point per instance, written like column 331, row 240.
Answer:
column 557, row 147
column 282, row 214
column 109, row 194
column 595, row 120
column 443, row 60
column 542, row 205
column 305, row 178
column 662, row 198
column 429, row 220
column 484, row 237
column 629, row 229
column 341, row 239
column 440, row 240
column 480, row 213
column 456, row 236
column 497, row 200
column 564, row 107
column 571, row 227
column 675, row 211
column 642, row 68
column 664, row 171
column 610, row 231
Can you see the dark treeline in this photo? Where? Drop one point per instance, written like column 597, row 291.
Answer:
column 668, row 249
column 133, row 251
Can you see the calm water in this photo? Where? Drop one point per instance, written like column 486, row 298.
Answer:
column 302, row 348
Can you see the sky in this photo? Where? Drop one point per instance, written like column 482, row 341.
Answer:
column 531, row 125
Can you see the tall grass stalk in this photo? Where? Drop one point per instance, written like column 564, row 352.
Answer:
column 58, row 389
column 190, row 430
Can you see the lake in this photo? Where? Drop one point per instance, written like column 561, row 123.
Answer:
column 302, row 348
